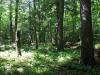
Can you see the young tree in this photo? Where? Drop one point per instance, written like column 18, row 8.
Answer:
column 16, row 15
column 11, row 26
column 0, row 22
column 17, row 32
column 18, row 43
column 35, row 26
column 60, row 13
column 87, row 50
column 30, row 24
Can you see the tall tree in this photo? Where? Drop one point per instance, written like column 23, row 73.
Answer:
column 16, row 14
column 11, row 26
column 30, row 24
column 0, row 22
column 60, row 13
column 35, row 26
column 39, row 23
column 17, row 32
column 87, row 50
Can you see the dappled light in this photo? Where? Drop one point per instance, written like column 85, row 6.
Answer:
column 49, row 37
column 40, row 61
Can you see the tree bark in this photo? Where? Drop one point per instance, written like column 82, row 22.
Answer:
column 11, row 26
column 16, row 14
column 60, row 13
column 35, row 26
column 30, row 25
column 0, row 25
column 17, row 32
column 87, row 50
column 18, row 43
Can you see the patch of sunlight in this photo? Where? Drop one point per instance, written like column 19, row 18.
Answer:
column 97, row 46
column 47, row 57
column 20, row 69
column 9, row 46
column 1, row 46
column 61, row 59
column 41, row 70
column 64, row 59
column 12, row 55
column 42, row 55
column 68, row 57
column 8, row 67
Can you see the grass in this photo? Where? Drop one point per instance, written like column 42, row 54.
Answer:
column 44, row 61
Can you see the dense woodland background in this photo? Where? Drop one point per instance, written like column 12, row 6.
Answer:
column 49, row 37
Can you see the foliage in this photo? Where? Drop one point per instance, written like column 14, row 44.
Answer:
column 43, row 62
column 40, row 17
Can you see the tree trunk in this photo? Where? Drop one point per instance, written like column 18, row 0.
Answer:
column 60, row 13
column 87, row 50
column 35, row 27
column 18, row 43
column 16, row 14
column 39, row 21
column 30, row 25
column 17, row 32
column 11, row 26
column 0, row 25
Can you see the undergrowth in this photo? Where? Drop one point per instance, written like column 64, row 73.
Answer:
column 43, row 61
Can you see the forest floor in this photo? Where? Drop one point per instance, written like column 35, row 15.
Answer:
column 44, row 61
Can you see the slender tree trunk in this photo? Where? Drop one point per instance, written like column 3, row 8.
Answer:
column 0, row 25
column 36, row 39
column 16, row 14
column 39, row 18
column 35, row 27
column 17, row 32
column 30, row 25
column 11, row 26
column 55, row 38
column 18, row 43
column 50, row 33
column 60, row 13
column 87, row 50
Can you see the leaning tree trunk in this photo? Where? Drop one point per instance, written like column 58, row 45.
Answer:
column 87, row 50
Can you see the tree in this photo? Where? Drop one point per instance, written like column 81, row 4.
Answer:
column 18, row 43
column 17, row 32
column 35, row 26
column 0, row 22
column 30, row 24
column 87, row 50
column 60, row 13
column 16, row 14
column 11, row 26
